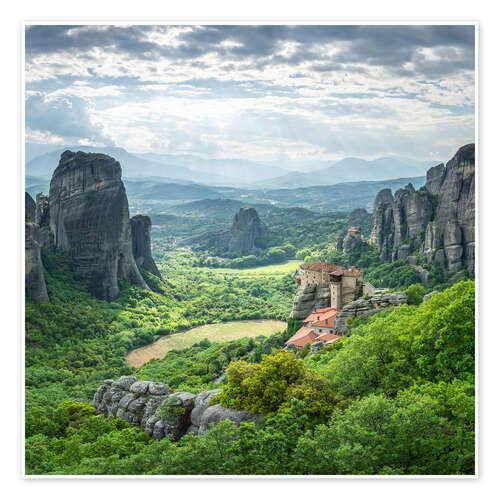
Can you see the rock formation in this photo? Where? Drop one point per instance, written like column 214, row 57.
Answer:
column 141, row 243
column 351, row 239
column 34, row 279
column 436, row 221
column 29, row 208
column 246, row 228
column 311, row 297
column 161, row 413
column 358, row 216
column 89, row 219
column 368, row 307
column 42, row 217
column 240, row 238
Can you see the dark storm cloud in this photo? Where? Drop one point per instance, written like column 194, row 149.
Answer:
column 388, row 46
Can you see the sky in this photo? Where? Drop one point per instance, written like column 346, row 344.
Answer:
column 260, row 93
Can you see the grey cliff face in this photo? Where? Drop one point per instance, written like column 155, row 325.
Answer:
column 34, row 279
column 141, row 243
column 351, row 240
column 368, row 307
column 240, row 238
column 246, row 228
column 42, row 217
column 310, row 298
column 382, row 235
column 358, row 216
column 161, row 413
column 89, row 219
column 436, row 221
column 29, row 208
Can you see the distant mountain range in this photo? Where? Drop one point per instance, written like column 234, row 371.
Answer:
column 42, row 160
column 353, row 170
column 175, row 167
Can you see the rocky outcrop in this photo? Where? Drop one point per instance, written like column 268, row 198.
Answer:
column 217, row 413
column 437, row 221
column 317, row 346
column 141, row 244
column 34, row 279
column 358, row 216
column 241, row 238
column 246, row 228
column 89, row 219
column 352, row 238
column 161, row 413
column 29, row 208
column 42, row 210
column 367, row 307
column 310, row 298
column 382, row 235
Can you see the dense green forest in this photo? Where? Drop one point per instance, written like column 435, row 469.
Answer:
column 396, row 397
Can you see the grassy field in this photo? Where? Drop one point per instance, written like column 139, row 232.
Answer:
column 271, row 270
column 219, row 332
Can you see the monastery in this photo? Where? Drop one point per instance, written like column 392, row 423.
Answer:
column 345, row 285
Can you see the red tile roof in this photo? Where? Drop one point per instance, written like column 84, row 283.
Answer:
column 302, row 337
column 321, row 266
column 329, row 338
column 325, row 316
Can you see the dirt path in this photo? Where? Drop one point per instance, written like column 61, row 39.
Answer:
column 219, row 332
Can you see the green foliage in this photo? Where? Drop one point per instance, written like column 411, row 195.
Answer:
column 415, row 294
column 420, row 431
column 269, row 387
column 432, row 342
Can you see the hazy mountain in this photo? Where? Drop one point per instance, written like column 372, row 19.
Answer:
column 222, row 171
column 132, row 165
column 42, row 160
column 353, row 170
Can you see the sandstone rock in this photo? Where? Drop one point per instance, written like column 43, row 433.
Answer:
column 34, row 279
column 89, row 218
column 42, row 217
column 352, row 238
column 215, row 414
column 140, row 387
column 124, row 382
column 310, row 298
column 29, row 208
column 141, row 244
column 367, row 307
column 358, row 216
column 317, row 346
column 158, row 388
column 240, row 238
column 201, row 404
column 439, row 216
column 291, row 347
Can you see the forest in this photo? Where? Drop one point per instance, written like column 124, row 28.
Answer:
column 396, row 397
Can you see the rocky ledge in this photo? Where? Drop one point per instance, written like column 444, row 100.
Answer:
column 367, row 308
column 161, row 413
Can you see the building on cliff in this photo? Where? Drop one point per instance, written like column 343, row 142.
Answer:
column 319, row 325
column 343, row 284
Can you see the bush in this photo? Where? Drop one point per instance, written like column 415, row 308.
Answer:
column 415, row 293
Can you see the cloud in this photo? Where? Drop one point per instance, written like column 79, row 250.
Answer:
column 63, row 117
column 245, row 91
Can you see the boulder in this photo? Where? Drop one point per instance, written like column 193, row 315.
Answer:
column 217, row 413
column 201, row 404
